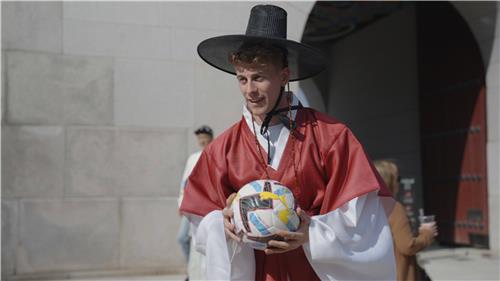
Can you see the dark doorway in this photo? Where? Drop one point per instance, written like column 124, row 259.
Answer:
column 451, row 78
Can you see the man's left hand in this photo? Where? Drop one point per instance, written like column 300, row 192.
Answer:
column 292, row 240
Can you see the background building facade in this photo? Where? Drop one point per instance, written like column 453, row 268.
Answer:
column 100, row 100
column 416, row 82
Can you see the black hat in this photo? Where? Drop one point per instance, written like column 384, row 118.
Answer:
column 267, row 25
column 204, row 130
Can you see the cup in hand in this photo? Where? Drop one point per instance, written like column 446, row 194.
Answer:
column 426, row 219
column 428, row 223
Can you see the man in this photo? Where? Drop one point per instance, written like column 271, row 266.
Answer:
column 204, row 136
column 344, row 232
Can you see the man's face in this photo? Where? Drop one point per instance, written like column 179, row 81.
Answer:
column 203, row 139
column 261, row 86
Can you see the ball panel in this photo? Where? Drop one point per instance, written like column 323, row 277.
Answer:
column 257, row 186
column 257, row 223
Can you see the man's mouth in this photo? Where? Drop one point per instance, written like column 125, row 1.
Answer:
column 256, row 100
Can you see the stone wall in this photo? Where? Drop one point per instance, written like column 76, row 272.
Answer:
column 99, row 102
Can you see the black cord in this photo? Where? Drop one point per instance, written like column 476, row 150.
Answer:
column 268, row 149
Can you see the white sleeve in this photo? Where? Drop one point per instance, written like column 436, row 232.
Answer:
column 224, row 260
column 353, row 242
column 185, row 175
column 190, row 163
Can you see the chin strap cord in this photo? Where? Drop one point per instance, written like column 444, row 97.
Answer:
column 283, row 118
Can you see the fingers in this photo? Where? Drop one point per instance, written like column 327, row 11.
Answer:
column 230, row 199
column 292, row 240
column 269, row 251
column 435, row 230
column 227, row 212
column 426, row 226
column 274, row 250
column 279, row 244
column 431, row 227
column 229, row 227
column 228, row 224
column 305, row 221
column 232, row 235
column 278, row 247
column 303, row 215
column 290, row 235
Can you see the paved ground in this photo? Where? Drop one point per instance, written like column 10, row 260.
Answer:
column 459, row 264
column 104, row 276
column 136, row 278
column 440, row 264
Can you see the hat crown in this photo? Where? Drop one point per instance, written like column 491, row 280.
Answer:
column 267, row 21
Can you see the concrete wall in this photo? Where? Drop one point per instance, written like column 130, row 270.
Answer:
column 373, row 88
column 484, row 22
column 99, row 102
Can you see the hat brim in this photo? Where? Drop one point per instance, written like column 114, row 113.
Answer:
column 304, row 61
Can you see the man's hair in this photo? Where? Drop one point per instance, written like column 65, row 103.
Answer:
column 204, row 130
column 259, row 54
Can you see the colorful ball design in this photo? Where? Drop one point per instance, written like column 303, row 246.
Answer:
column 262, row 208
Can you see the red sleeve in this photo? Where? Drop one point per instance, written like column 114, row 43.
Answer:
column 350, row 173
column 207, row 187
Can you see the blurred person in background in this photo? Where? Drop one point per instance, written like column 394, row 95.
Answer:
column 204, row 136
column 405, row 244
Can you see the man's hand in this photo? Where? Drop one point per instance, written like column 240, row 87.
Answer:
column 228, row 215
column 292, row 240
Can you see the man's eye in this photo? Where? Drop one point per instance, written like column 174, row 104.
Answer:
column 259, row 78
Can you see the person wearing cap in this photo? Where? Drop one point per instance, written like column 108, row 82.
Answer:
column 343, row 202
column 204, row 135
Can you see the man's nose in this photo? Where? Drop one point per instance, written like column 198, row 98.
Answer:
column 250, row 88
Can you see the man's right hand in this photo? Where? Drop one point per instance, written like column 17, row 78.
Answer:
column 228, row 215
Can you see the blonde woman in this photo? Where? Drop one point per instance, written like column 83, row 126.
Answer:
column 405, row 244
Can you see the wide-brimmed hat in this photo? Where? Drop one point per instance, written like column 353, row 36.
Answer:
column 266, row 25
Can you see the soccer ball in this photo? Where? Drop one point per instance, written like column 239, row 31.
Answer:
column 262, row 208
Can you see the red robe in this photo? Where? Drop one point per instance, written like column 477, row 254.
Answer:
column 332, row 168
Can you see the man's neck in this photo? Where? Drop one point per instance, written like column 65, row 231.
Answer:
column 260, row 118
